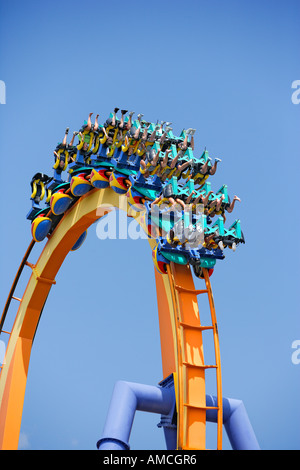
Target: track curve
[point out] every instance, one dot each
(178, 318)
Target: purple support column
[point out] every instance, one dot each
(129, 397)
(236, 421)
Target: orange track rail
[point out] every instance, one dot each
(179, 322)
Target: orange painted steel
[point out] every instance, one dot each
(14, 372)
(217, 358)
(179, 323)
(15, 282)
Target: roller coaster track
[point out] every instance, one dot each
(179, 324)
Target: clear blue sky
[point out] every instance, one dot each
(222, 67)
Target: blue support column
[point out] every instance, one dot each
(236, 422)
(129, 397)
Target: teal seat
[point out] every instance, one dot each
(235, 230)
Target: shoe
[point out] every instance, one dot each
(218, 160)
(124, 111)
(116, 110)
(221, 245)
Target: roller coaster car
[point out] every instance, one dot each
(40, 228)
(99, 134)
(100, 177)
(218, 236)
(38, 187)
(137, 198)
(119, 181)
(122, 161)
(60, 202)
(198, 270)
(79, 184)
(80, 241)
(139, 181)
(186, 190)
(82, 158)
(39, 192)
(151, 230)
(182, 254)
(86, 140)
(221, 192)
(157, 222)
(196, 167)
(160, 262)
(183, 236)
(130, 141)
(170, 189)
(184, 232)
(233, 236)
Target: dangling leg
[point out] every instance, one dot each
(162, 138)
(136, 133)
(184, 165)
(114, 118)
(163, 164)
(175, 160)
(213, 204)
(64, 142)
(73, 137)
(89, 123)
(145, 134)
(219, 202)
(204, 168)
(231, 207)
(123, 112)
(142, 146)
(129, 123)
(213, 169)
(198, 199)
(183, 145)
(96, 125)
(155, 159)
(162, 125)
(189, 198)
(152, 136)
(143, 164)
(206, 198)
(192, 142)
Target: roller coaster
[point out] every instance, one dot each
(143, 167)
